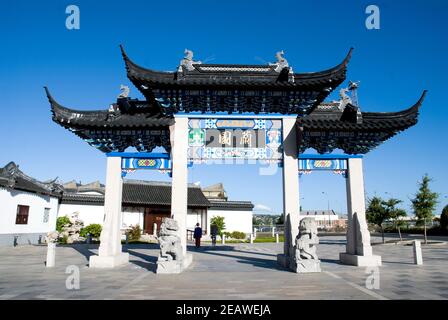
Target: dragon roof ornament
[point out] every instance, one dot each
(187, 62)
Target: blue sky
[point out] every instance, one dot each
(84, 69)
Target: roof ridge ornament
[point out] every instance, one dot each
(187, 62)
(345, 98)
(281, 62)
(124, 92)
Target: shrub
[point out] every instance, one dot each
(134, 233)
(61, 222)
(227, 234)
(94, 230)
(238, 235)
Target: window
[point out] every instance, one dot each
(22, 214)
(46, 215)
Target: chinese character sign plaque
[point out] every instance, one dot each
(244, 139)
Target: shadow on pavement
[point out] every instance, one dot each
(149, 261)
(256, 262)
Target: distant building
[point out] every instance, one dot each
(28, 207)
(326, 219)
(145, 203)
(237, 214)
(215, 192)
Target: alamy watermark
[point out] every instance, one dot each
(73, 280)
(373, 278)
(73, 20)
(373, 18)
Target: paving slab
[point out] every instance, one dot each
(232, 271)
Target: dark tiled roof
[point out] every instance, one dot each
(160, 194)
(11, 177)
(328, 128)
(141, 117)
(231, 205)
(235, 74)
(142, 193)
(236, 88)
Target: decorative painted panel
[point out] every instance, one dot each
(243, 139)
(338, 166)
(129, 165)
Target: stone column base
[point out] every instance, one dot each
(360, 261)
(173, 266)
(109, 261)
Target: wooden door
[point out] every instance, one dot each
(153, 216)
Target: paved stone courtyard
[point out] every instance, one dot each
(234, 271)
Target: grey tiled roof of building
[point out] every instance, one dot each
(11, 177)
(231, 205)
(140, 192)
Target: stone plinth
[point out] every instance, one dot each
(308, 266)
(174, 266)
(360, 261)
(109, 261)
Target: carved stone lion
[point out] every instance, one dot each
(305, 249)
(169, 240)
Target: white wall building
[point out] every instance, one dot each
(145, 203)
(237, 214)
(28, 208)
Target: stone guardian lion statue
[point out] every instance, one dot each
(169, 240)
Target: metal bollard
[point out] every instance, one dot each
(417, 248)
(276, 238)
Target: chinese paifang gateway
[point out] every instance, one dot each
(234, 89)
(288, 107)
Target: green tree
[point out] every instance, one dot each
(255, 221)
(393, 213)
(376, 213)
(444, 219)
(280, 219)
(424, 203)
(218, 221)
(61, 222)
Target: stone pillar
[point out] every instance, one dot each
(51, 254)
(358, 249)
(204, 221)
(110, 254)
(290, 190)
(417, 250)
(179, 181)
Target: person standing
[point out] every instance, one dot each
(197, 235)
(213, 233)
